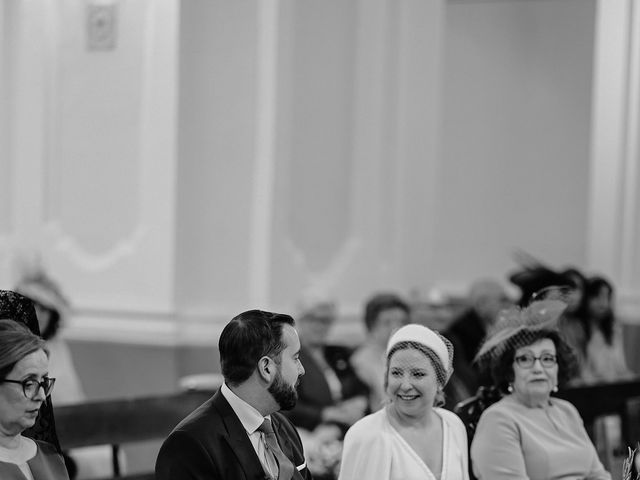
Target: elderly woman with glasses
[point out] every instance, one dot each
(24, 386)
(529, 434)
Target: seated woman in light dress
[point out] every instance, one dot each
(410, 438)
(530, 434)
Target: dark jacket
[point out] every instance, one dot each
(212, 444)
(46, 465)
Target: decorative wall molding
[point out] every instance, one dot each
(614, 202)
(264, 172)
(68, 246)
(191, 330)
(230, 240)
(132, 263)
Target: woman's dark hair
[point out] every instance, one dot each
(604, 324)
(16, 342)
(379, 303)
(246, 339)
(501, 366)
(577, 281)
(53, 324)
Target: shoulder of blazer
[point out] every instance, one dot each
(215, 406)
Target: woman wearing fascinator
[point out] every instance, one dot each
(410, 438)
(529, 434)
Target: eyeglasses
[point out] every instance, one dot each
(31, 387)
(527, 360)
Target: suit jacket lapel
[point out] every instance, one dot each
(288, 448)
(238, 438)
(11, 471)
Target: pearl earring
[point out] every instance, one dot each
(555, 388)
(510, 388)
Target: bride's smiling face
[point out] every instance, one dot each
(412, 385)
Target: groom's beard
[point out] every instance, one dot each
(285, 395)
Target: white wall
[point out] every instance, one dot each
(516, 134)
(216, 153)
(93, 155)
(227, 154)
(300, 150)
(5, 182)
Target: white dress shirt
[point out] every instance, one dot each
(251, 419)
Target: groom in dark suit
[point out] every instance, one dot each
(238, 433)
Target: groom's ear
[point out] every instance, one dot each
(266, 369)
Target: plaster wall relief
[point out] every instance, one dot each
(630, 250)
(348, 164)
(93, 149)
(178, 161)
(614, 200)
(225, 157)
(313, 230)
(5, 164)
(110, 168)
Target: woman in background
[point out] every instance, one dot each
(529, 434)
(52, 309)
(605, 360)
(24, 386)
(573, 323)
(384, 313)
(411, 438)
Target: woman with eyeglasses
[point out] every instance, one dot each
(24, 386)
(529, 434)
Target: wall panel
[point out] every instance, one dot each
(225, 155)
(109, 173)
(219, 88)
(352, 145)
(516, 135)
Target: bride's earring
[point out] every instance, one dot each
(510, 388)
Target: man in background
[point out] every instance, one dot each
(330, 396)
(487, 297)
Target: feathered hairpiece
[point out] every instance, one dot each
(518, 326)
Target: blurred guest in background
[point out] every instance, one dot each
(576, 298)
(52, 309)
(605, 359)
(24, 386)
(487, 297)
(330, 395)
(573, 322)
(437, 312)
(384, 313)
(411, 438)
(528, 433)
(433, 310)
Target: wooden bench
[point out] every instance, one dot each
(124, 421)
(600, 399)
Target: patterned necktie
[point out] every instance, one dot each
(285, 467)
